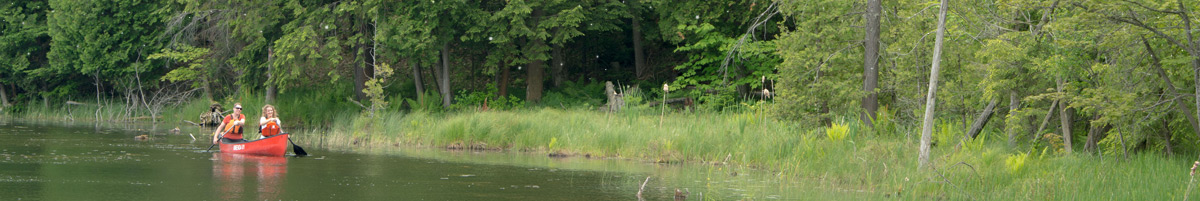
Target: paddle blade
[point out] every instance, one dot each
(299, 151)
(296, 148)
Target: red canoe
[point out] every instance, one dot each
(270, 146)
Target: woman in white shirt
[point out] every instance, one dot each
(269, 124)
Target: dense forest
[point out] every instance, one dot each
(1110, 75)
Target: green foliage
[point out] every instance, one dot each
(1016, 162)
(472, 100)
(949, 133)
(24, 40)
(817, 75)
(190, 57)
(708, 68)
(576, 95)
(837, 132)
(975, 144)
(102, 40)
(374, 87)
(429, 102)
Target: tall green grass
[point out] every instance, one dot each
(865, 160)
(879, 160)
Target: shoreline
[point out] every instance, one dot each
(875, 161)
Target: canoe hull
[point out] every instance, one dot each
(271, 146)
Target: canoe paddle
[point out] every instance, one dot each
(230, 128)
(296, 148)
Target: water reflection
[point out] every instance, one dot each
(79, 161)
(231, 171)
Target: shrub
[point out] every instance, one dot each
(474, 99)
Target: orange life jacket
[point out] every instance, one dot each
(270, 129)
(233, 132)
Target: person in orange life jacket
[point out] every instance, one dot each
(269, 124)
(233, 123)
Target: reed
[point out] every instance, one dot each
(863, 160)
(880, 161)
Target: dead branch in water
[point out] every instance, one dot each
(639, 193)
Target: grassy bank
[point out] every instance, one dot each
(846, 157)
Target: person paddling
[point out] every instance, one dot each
(231, 126)
(268, 123)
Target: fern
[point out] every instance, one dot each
(1016, 162)
(837, 132)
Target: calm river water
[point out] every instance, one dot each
(76, 161)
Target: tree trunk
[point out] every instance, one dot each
(1013, 105)
(1166, 134)
(1182, 108)
(533, 80)
(445, 76)
(931, 97)
(4, 97)
(417, 83)
(1045, 121)
(639, 56)
(982, 119)
(615, 101)
(1065, 118)
(870, 103)
(535, 75)
(556, 65)
(1194, 49)
(434, 75)
(1095, 133)
(360, 77)
(270, 77)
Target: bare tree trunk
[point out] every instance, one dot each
(1182, 108)
(1166, 134)
(270, 77)
(1190, 45)
(416, 73)
(556, 65)
(1065, 118)
(435, 75)
(870, 103)
(1193, 48)
(1013, 105)
(615, 101)
(360, 77)
(445, 76)
(982, 120)
(535, 74)
(639, 56)
(4, 97)
(1095, 133)
(533, 81)
(1045, 120)
(931, 97)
